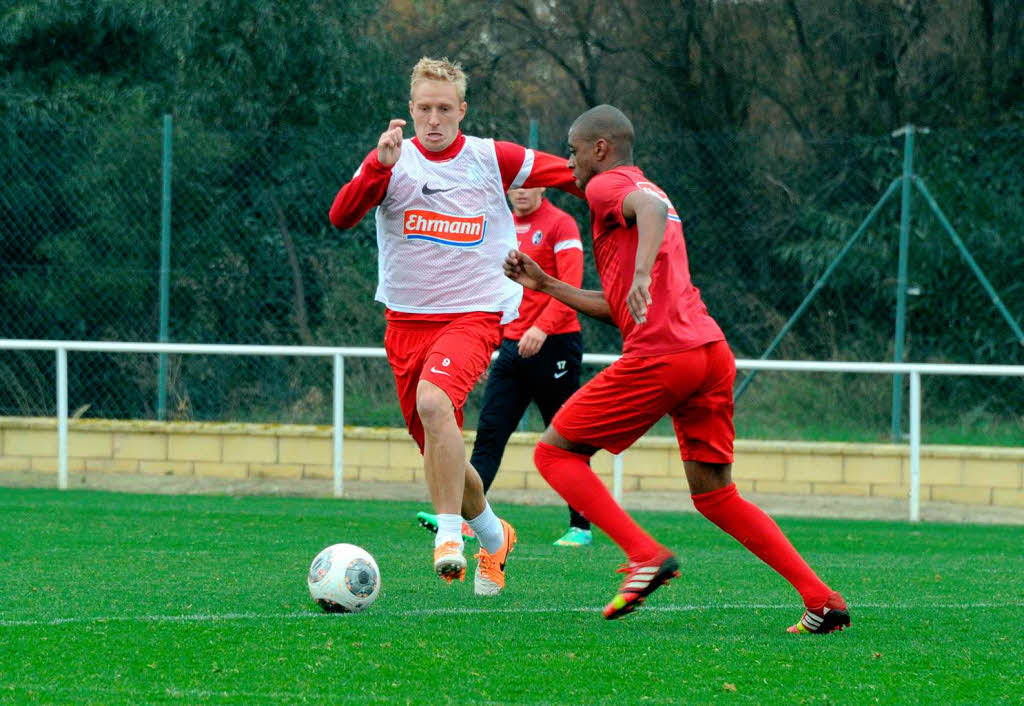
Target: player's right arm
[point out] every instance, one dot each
(649, 213)
(369, 186)
(522, 269)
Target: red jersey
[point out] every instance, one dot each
(550, 236)
(677, 319)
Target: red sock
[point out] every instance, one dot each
(570, 475)
(756, 531)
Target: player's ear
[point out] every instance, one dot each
(410, 107)
(601, 149)
(462, 110)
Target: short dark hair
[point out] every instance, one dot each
(608, 122)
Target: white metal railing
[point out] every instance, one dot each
(913, 370)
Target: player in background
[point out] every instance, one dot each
(541, 352)
(675, 361)
(443, 228)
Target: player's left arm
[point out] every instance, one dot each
(523, 168)
(650, 215)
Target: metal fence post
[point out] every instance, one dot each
(62, 418)
(915, 446)
(617, 477)
(165, 270)
(339, 424)
(901, 278)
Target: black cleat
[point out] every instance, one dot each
(831, 617)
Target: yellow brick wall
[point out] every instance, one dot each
(960, 474)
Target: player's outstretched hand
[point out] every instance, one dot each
(639, 297)
(520, 268)
(389, 146)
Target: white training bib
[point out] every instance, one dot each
(443, 231)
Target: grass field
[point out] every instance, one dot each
(108, 599)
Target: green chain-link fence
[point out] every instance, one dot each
(253, 259)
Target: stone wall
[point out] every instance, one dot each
(961, 474)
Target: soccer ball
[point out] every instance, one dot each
(344, 578)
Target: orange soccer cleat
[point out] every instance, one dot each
(449, 562)
(489, 578)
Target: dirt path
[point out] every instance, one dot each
(778, 505)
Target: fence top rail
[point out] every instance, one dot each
(807, 366)
(192, 348)
(822, 366)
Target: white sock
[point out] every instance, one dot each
(488, 529)
(449, 529)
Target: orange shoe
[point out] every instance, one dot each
(489, 578)
(449, 562)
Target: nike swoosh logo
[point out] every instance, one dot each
(439, 372)
(558, 375)
(427, 191)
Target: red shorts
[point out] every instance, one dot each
(450, 354)
(625, 399)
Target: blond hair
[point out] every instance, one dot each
(427, 69)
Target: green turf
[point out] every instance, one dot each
(109, 599)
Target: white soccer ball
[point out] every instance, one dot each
(344, 578)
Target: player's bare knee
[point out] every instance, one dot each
(434, 408)
(551, 437)
(706, 477)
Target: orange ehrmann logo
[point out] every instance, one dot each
(460, 231)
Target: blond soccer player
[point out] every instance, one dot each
(443, 229)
